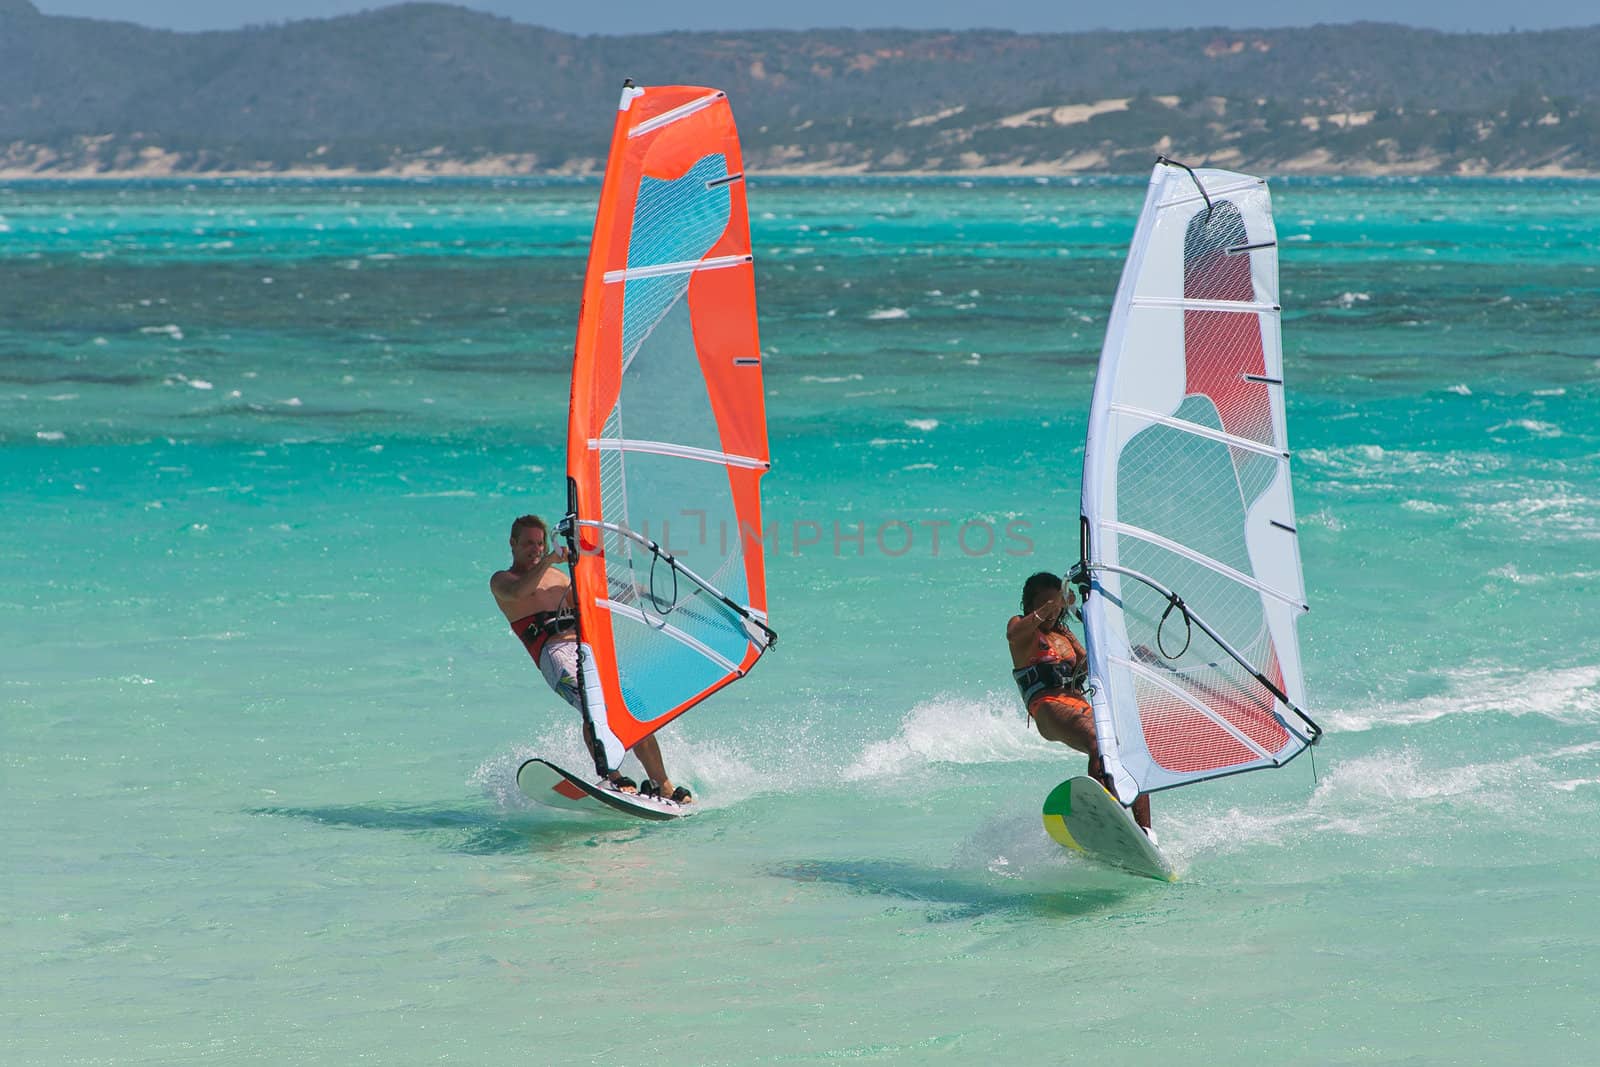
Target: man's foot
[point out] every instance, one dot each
(1151, 834)
(622, 784)
(666, 791)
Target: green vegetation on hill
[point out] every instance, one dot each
(431, 86)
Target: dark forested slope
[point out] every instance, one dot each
(436, 86)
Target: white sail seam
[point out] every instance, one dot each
(1245, 306)
(657, 270)
(1201, 431)
(667, 448)
(679, 112)
(662, 626)
(1202, 559)
(1155, 678)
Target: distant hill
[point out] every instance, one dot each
(436, 88)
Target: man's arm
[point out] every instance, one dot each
(507, 586)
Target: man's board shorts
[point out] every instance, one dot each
(557, 658)
(558, 662)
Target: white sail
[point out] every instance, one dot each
(1190, 548)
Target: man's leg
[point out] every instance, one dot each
(649, 753)
(559, 665)
(615, 777)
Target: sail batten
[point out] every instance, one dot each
(1206, 431)
(667, 448)
(1194, 660)
(667, 437)
(657, 270)
(1241, 306)
(682, 111)
(1230, 573)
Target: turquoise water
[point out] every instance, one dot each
(259, 448)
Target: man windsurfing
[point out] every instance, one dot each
(535, 596)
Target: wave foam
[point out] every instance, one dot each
(953, 730)
(1371, 796)
(1380, 796)
(1544, 510)
(715, 770)
(1375, 461)
(1568, 695)
(1533, 426)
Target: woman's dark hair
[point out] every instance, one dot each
(1036, 586)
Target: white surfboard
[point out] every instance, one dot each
(545, 783)
(1081, 815)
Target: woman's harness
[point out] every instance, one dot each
(1041, 677)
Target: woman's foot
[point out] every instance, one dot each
(1097, 771)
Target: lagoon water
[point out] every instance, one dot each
(260, 444)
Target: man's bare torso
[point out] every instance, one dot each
(550, 595)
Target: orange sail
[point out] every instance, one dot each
(667, 437)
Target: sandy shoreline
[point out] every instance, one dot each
(94, 159)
